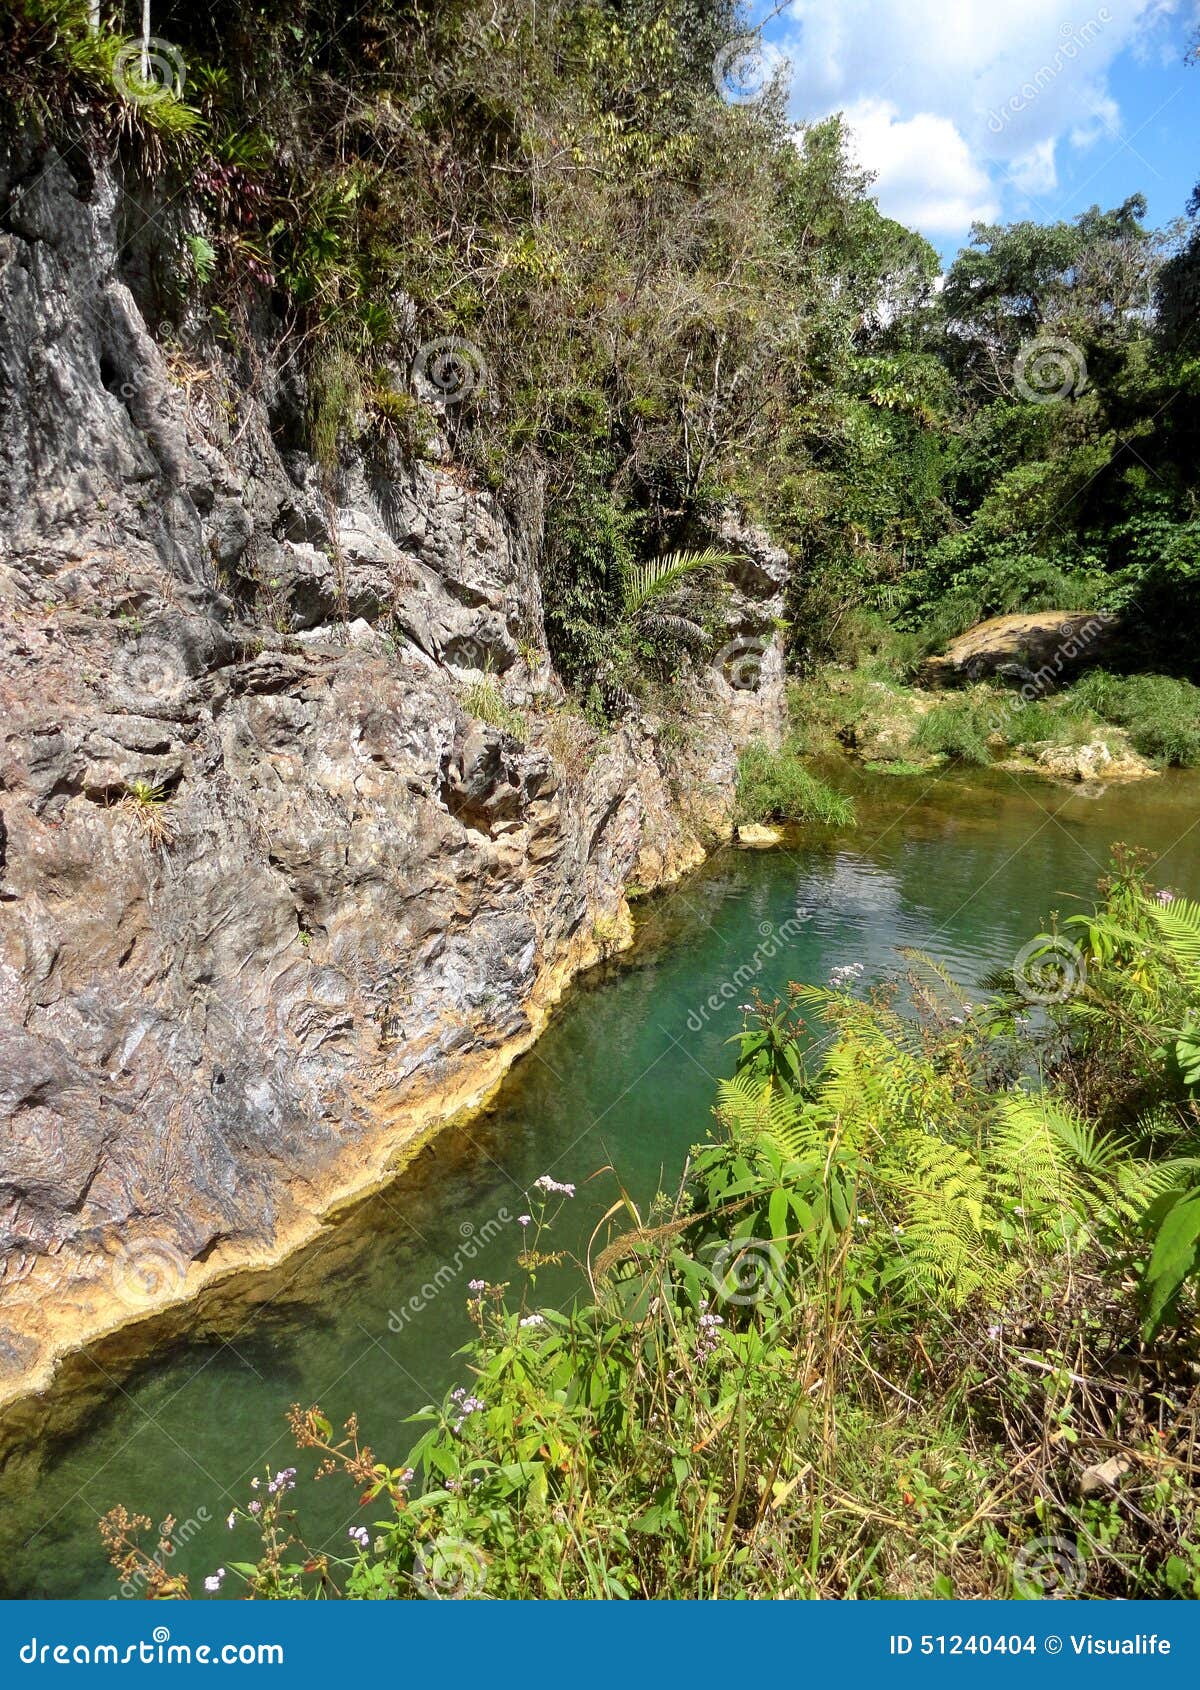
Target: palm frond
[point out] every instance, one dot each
(645, 582)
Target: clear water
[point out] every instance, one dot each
(622, 1080)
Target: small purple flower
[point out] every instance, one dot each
(360, 1535)
(546, 1184)
(284, 1480)
(1164, 895)
(524, 1220)
(256, 1507)
(477, 1285)
(466, 1404)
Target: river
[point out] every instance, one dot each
(370, 1317)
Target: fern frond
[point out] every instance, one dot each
(752, 1107)
(1180, 925)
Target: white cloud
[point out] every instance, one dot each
(924, 172)
(953, 102)
(1035, 172)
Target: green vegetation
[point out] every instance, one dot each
(884, 1342)
(775, 786)
(145, 804)
(1160, 715)
(892, 725)
(956, 729)
(484, 700)
(627, 305)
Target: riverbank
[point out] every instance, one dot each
(961, 865)
(1102, 730)
(887, 1340)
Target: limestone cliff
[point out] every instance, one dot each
(272, 898)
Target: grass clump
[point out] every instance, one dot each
(145, 804)
(957, 730)
(484, 700)
(775, 786)
(1160, 715)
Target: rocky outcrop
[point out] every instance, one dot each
(299, 841)
(1038, 648)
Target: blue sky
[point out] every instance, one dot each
(1001, 109)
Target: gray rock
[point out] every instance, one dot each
(343, 899)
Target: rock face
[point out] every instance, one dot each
(1040, 648)
(298, 839)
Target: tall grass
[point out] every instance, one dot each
(775, 786)
(1160, 715)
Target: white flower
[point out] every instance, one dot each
(232, 1520)
(214, 1580)
(532, 1320)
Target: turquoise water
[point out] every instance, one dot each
(620, 1086)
